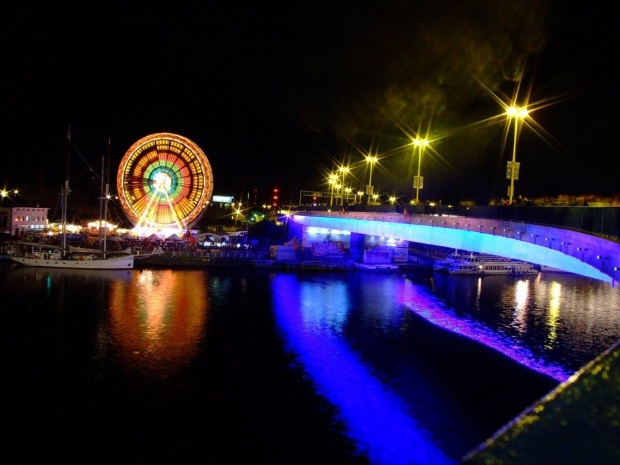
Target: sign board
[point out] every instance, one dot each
(222, 199)
(509, 170)
(418, 182)
(326, 248)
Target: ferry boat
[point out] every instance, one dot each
(491, 265)
(442, 265)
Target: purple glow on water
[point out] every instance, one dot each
(375, 417)
(419, 301)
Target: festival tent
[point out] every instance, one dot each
(173, 237)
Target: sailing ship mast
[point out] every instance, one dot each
(65, 195)
(105, 205)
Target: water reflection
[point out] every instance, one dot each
(311, 315)
(423, 303)
(157, 322)
(554, 313)
(520, 312)
(553, 323)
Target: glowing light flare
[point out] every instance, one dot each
(162, 181)
(515, 112)
(521, 114)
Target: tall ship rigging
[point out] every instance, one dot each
(65, 256)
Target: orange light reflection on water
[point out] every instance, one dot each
(159, 319)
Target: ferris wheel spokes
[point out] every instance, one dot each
(142, 219)
(174, 214)
(160, 170)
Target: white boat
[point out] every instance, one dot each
(51, 256)
(491, 265)
(442, 265)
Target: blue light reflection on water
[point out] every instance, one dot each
(377, 419)
(429, 307)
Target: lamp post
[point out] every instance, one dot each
(360, 193)
(372, 160)
(417, 180)
(348, 190)
(344, 170)
(518, 114)
(332, 180)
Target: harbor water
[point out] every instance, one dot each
(246, 366)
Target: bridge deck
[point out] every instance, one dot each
(566, 249)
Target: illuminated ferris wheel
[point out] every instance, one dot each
(164, 180)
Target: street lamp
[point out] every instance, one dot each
(513, 168)
(344, 170)
(348, 190)
(332, 180)
(360, 193)
(372, 160)
(418, 182)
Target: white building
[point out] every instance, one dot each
(21, 221)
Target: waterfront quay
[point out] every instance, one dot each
(258, 260)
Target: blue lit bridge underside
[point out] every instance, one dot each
(568, 250)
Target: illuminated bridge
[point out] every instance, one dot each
(587, 253)
(578, 421)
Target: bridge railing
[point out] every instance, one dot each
(601, 221)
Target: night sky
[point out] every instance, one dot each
(277, 94)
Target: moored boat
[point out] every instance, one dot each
(491, 265)
(52, 256)
(443, 264)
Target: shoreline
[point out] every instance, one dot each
(179, 262)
